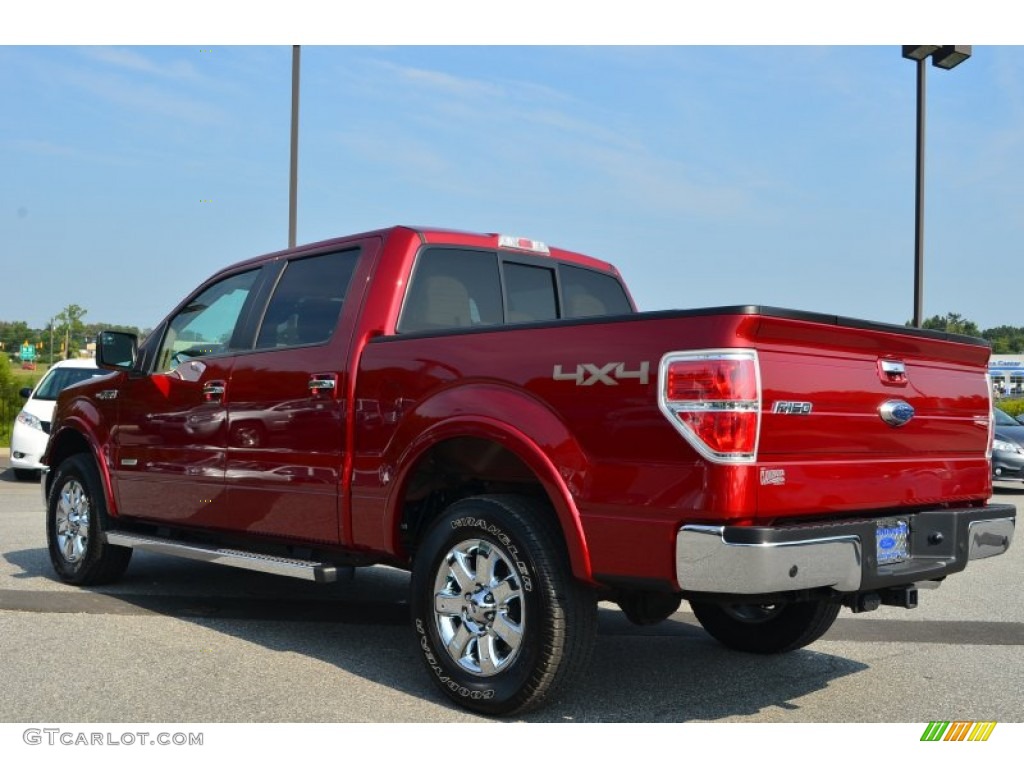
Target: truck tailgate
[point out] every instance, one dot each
(855, 417)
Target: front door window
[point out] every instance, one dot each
(207, 324)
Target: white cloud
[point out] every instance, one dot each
(143, 97)
(134, 61)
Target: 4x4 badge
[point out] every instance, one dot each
(588, 374)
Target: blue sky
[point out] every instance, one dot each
(710, 175)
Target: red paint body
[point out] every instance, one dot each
(273, 458)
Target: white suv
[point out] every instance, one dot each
(32, 425)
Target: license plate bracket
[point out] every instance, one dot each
(892, 541)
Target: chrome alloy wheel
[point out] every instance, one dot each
(72, 521)
(479, 609)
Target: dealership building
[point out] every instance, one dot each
(1007, 372)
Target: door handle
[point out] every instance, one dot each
(213, 391)
(322, 383)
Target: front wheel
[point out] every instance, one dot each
(500, 620)
(769, 628)
(75, 519)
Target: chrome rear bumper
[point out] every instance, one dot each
(761, 560)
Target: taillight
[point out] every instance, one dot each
(713, 397)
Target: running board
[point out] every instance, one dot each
(252, 561)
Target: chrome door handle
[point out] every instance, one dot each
(322, 382)
(213, 391)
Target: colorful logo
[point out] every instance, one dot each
(958, 731)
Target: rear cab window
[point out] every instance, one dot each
(590, 294)
(461, 288)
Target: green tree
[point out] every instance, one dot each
(71, 329)
(1005, 339)
(952, 322)
(14, 334)
(92, 330)
(10, 400)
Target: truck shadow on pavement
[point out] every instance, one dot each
(7, 476)
(671, 672)
(1010, 489)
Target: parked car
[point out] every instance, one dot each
(32, 424)
(1007, 448)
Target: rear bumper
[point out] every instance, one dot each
(840, 555)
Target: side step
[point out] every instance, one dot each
(252, 561)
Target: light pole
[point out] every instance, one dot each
(943, 57)
(293, 175)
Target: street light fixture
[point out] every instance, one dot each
(943, 57)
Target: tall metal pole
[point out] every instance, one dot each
(943, 57)
(919, 203)
(293, 182)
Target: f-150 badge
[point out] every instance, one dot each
(588, 374)
(792, 408)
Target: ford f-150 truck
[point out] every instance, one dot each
(496, 417)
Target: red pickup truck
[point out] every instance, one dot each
(495, 416)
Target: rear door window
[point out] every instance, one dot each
(307, 301)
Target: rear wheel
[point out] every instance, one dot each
(76, 517)
(500, 620)
(768, 628)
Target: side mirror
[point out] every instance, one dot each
(25, 392)
(117, 351)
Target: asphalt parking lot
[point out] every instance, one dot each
(178, 641)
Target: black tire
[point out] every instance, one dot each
(76, 516)
(766, 628)
(27, 475)
(500, 621)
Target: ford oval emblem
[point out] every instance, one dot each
(896, 413)
(886, 543)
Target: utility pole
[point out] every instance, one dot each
(943, 57)
(293, 184)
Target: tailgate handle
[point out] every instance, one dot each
(893, 372)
